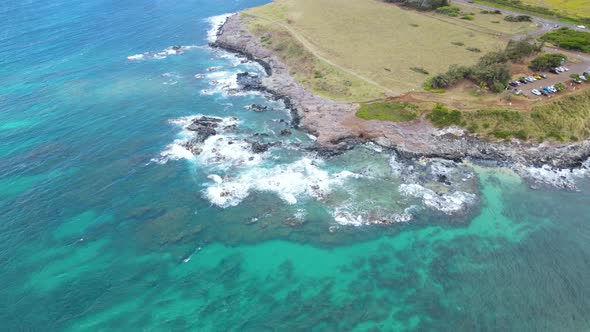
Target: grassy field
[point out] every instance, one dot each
(528, 8)
(566, 119)
(373, 40)
(316, 75)
(488, 23)
(389, 111)
(580, 8)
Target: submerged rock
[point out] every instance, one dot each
(258, 147)
(258, 108)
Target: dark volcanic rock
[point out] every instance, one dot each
(193, 146)
(205, 127)
(285, 132)
(258, 108)
(248, 81)
(258, 147)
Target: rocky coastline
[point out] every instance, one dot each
(337, 128)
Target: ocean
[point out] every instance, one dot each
(108, 222)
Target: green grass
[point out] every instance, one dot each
(389, 111)
(533, 10)
(575, 8)
(563, 120)
(443, 117)
(569, 39)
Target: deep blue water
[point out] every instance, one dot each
(107, 223)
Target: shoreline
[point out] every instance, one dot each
(336, 126)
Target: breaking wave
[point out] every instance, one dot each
(554, 177)
(158, 55)
(291, 182)
(216, 22)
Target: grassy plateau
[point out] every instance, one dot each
(371, 41)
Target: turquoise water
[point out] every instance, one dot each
(107, 223)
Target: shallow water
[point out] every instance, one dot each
(109, 223)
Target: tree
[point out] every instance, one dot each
(547, 61)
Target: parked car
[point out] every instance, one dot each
(514, 84)
(565, 68)
(583, 78)
(538, 77)
(546, 90)
(536, 92)
(523, 81)
(518, 93)
(554, 71)
(581, 27)
(560, 69)
(543, 75)
(586, 73)
(552, 89)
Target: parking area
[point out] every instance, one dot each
(579, 65)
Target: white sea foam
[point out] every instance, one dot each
(303, 178)
(349, 214)
(397, 167)
(448, 203)
(177, 150)
(136, 57)
(555, 177)
(223, 152)
(216, 23)
(174, 151)
(172, 50)
(224, 83)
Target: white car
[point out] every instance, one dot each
(536, 92)
(581, 27)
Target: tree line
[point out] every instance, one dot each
(491, 71)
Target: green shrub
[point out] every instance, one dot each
(569, 39)
(421, 5)
(492, 70)
(518, 18)
(458, 43)
(419, 70)
(389, 111)
(493, 12)
(452, 11)
(547, 61)
(442, 117)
